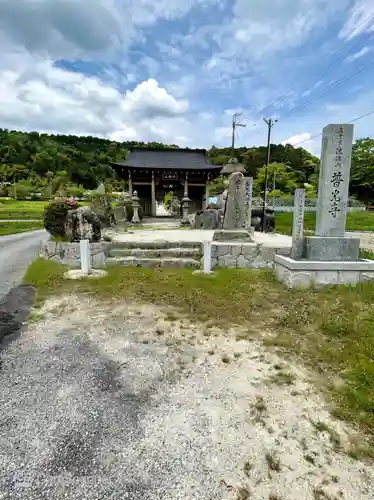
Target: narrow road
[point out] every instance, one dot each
(17, 251)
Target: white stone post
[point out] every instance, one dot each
(207, 267)
(297, 250)
(85, 256)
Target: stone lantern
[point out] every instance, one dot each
(185, 205)
(135, 205)
(231, 167)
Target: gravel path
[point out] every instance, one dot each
(122, 402)
(17, 251)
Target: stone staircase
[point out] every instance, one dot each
(155, 254)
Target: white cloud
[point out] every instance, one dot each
(82, 28)
(360, 20)
(359, 54)
(61, 28)
(45, 98)
(296, 139)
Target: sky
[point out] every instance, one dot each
(175, 71)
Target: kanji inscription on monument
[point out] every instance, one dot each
(333, 188)
(298, 224)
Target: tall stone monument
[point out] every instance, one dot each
(330, 242)
(329, 257)
(235, 225)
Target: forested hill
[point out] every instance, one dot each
(85, 161)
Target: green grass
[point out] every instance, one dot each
(13, 227)
(356, 221)
(11, 209)
(331, 329)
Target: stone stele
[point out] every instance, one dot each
(236, 212)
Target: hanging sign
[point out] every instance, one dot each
(169, 176)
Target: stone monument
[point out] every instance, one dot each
(235, 223)
(329, 257)
(297, 250)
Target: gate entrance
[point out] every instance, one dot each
(155, 172)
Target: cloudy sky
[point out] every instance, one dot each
(174, 71)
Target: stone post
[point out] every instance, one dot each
(185, 205)
(85, 256)
(135, 205)
(297, 251)
(153, 195)
(330, 242)
(130, 183)
(248, 201)
(186, 185)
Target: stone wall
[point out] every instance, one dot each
(69, 253)
(245, 255)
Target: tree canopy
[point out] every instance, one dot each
(56, 161)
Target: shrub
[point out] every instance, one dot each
(55, 216)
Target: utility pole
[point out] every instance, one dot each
(235, 124)
(270, 123)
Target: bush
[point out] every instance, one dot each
(55, 216)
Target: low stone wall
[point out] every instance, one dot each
(245, 255)
(69, 253)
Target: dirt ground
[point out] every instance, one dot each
(120, 401)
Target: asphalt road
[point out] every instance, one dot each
(17, 251)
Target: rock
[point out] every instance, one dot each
(102, 207)
(82, 223)
(207, 219)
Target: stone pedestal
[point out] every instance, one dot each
(233, 235)
(307, 273)
(331, 248)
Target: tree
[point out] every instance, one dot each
(362, 170)
(285, 178)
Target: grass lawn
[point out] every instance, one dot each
(356, 221)
(11, 209)
(332, 330)
(13, 227)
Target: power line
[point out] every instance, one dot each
(322, 57)
(338, 84)
(318, 135)
(235, 125)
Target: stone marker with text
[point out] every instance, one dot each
(330, 242)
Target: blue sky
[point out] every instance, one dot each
(175, 70)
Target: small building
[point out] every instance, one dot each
(154, 172)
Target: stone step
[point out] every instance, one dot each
(156, 252)
(160, 244)
(132, 261)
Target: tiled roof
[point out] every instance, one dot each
(168, 159)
